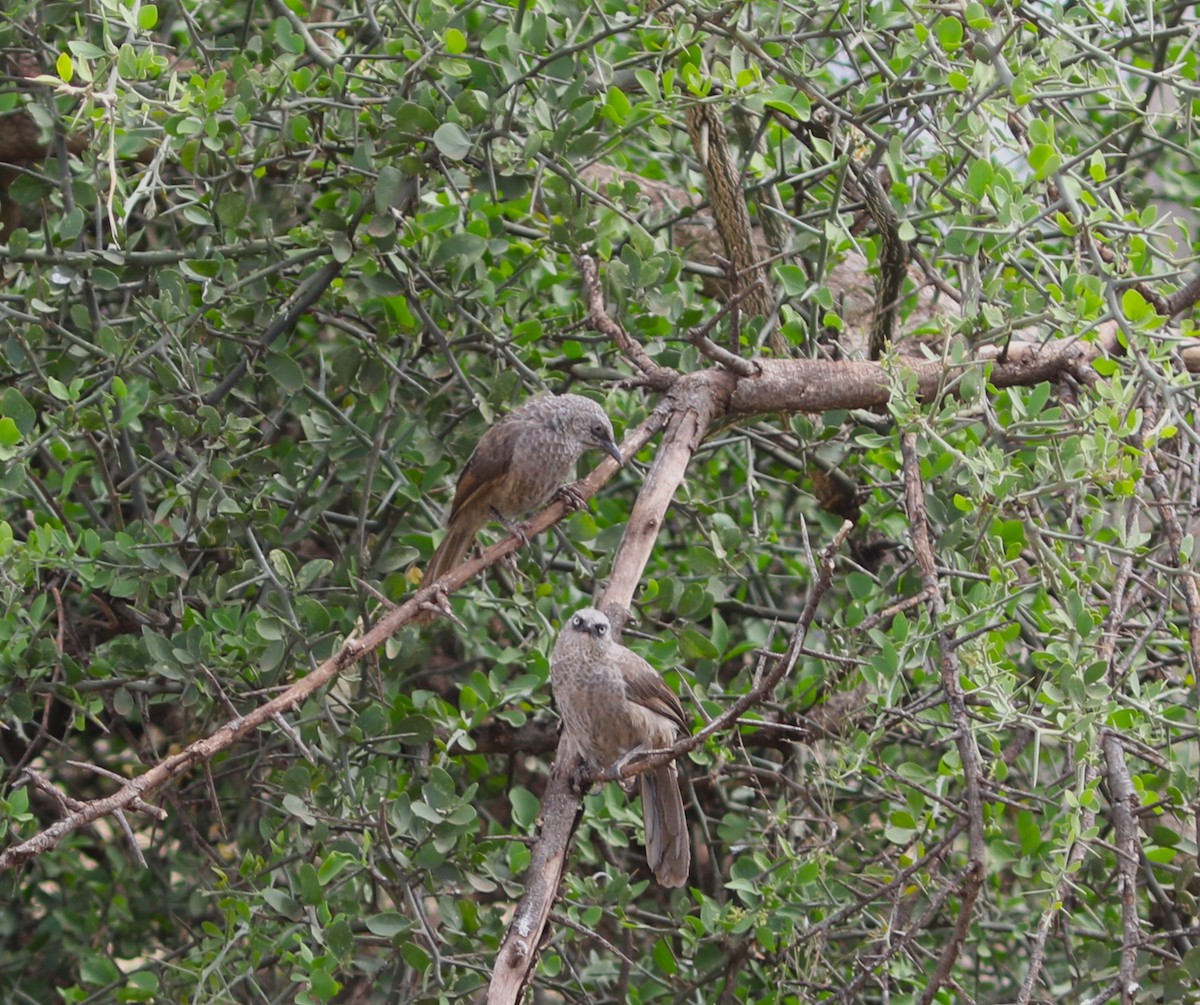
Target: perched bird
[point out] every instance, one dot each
(614, 704)
(518, 465)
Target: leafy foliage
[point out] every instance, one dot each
(253, 322)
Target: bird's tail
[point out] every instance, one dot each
(450, 552)
(668, 850)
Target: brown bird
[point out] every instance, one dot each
(614, 704)
(518, 465)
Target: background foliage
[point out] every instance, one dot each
(274, 270)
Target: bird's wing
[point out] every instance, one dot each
(644, 686)
(491, 460)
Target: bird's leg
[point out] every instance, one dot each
(571, 498)
(519, 527)
(613, 773)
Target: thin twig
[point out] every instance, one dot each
(968, 753)
(1123, 799)
(659, 378)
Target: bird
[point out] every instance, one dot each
(517, 465)
(613, 705)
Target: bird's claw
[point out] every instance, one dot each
(520, 528)
(571, 498)
(581, 780)
(613, 773)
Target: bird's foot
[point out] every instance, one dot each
(520, 528)
(581, 779)
(571, 498)
(613, 773)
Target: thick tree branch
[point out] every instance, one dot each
(811, 385)
(561, 810)
(706, 128)
(690, 407)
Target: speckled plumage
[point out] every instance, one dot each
(518, 465)
(612, 702)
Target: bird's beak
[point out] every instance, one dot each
(612, 450)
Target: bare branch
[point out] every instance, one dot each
(660, 378)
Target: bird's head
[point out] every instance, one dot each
(590, 624)
(591, 424)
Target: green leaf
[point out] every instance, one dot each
(282, 903)
(334, 864)
(792, 278)
(284, 371)
(99, 970)
(388, 924)
(695, 646)
(322, 984)
(791, 101)
(1135, 307)
(1044, 160)
(979, 179)
(415, 957)
(310, 886)
(298, 808)
(468, 248)
(525, 806)
(455, 41)
(618, 105)
(10, 435)
(452, 141)
(949, 31)
(664, 958)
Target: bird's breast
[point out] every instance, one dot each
(598, 716)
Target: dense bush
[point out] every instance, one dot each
(270, 271)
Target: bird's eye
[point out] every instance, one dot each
(601, 629)
(577, 622)
(598, 431)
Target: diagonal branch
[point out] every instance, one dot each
(659, 377)
(134, 791)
